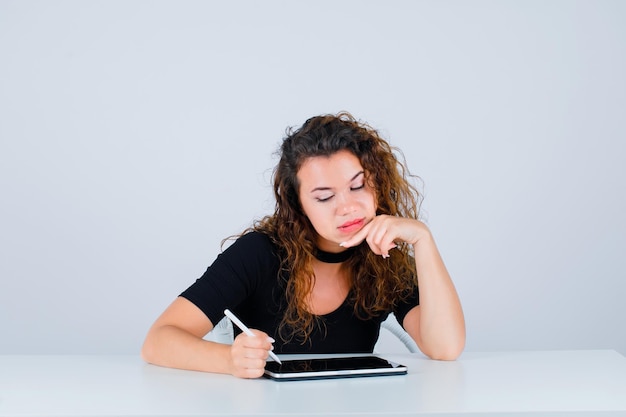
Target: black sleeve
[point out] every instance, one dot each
(403, 308)
(234, 275)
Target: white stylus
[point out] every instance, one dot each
(247, 331)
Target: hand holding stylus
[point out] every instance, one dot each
(247, 331)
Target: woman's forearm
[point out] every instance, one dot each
(441, 319)
(173, 347)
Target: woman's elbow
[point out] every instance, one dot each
(148, 350)
(447, 352)
(448, 355)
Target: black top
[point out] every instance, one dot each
(244, 278)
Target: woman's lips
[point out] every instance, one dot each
(352, 225)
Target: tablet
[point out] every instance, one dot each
(344, 367)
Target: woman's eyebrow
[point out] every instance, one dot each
(357, 175)
(329, 188)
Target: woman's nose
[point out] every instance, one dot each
(346, 204)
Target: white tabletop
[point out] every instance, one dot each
(505, 383)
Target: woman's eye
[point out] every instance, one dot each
(322, 199)
(358, 187)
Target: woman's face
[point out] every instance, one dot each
(335, 197)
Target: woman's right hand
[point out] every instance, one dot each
(248, 354)
(176, 340)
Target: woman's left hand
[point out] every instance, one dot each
(382, 233)
(437, 325)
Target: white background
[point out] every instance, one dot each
(136, 135)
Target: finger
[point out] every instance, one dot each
(250, 373)
(381, 247)
(260, 340)
(385, 243)
(253, 358)
(251, 351)
(358, 237)
(381, 239)
(247, 362)
(253, 373)
(375, 238)
(248, 368)
(262, 336)
(392, 245)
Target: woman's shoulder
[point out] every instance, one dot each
(251, 243)
(254, 238)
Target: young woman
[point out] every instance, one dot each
(343, 249)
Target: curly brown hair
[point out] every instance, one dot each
(377, 284)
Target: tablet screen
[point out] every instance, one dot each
(333, 368)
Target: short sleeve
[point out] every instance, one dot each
(403, 308)
(234, 276)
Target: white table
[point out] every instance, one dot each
(550, 383)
